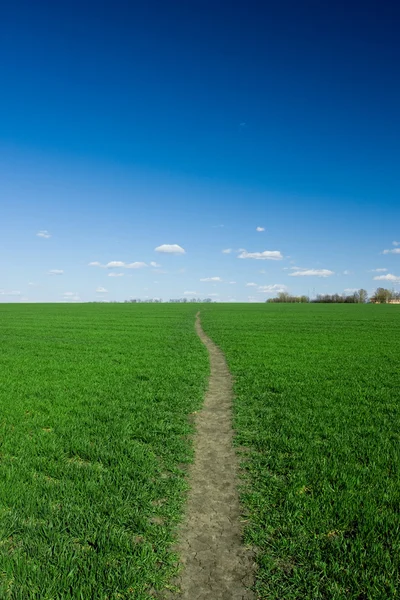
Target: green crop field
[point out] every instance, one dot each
(317, 408)
(94, 439)
(95, 436)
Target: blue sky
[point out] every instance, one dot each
(127, 129)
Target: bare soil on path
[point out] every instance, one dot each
(215, 563)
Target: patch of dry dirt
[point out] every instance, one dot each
(215, 563)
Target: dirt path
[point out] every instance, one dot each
(216, 565)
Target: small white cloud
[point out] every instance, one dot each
(378, 270)
(227, 251)
(101, 290)
(211, 279)
(312, 273)
(392, 251)
(154, 264)
(266, 255)
(251, 284)
(170, 249)
(118, 264)
(350, 290)
(396, 243)
(232, 282)
(276, 288)
(346, 272)
(190, 293)
(71, 297)
(388, 277)
(32, 284)
(135, 265)
(214, 295)
(56, 272)
(12, 293)
(115, 274)
(115, 264)
(260, 228)
(43, 234)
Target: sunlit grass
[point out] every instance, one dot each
(94, 437)
(317, 406)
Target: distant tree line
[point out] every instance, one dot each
(381, 295)
(285, 297)
(357, 297)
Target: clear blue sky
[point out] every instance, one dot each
(131, 126)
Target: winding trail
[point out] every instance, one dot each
(216, 565)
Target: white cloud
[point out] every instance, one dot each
(211, 279)
(32, 284)
(350, 290)
(388, 277)
(266, 255)
(71, 297)
(115, 264)
(135, 265)
(232, 282)
(190, 293)
(43, 234)
(276, 288)
(396, 243)
(312, 273)
(170, 249)
(56, 272)
(115, 274)
(260, 228)
(378, 270)
(118, 264)
(12, 293)
(346, 272)
(251, 284)
(392, 251)
(101, 290)
(154, 264)
(227, 251)
(214, 295)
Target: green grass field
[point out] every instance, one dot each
(94, 439)
(95, 436)
(317, 406)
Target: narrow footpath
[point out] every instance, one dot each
(216, 565)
